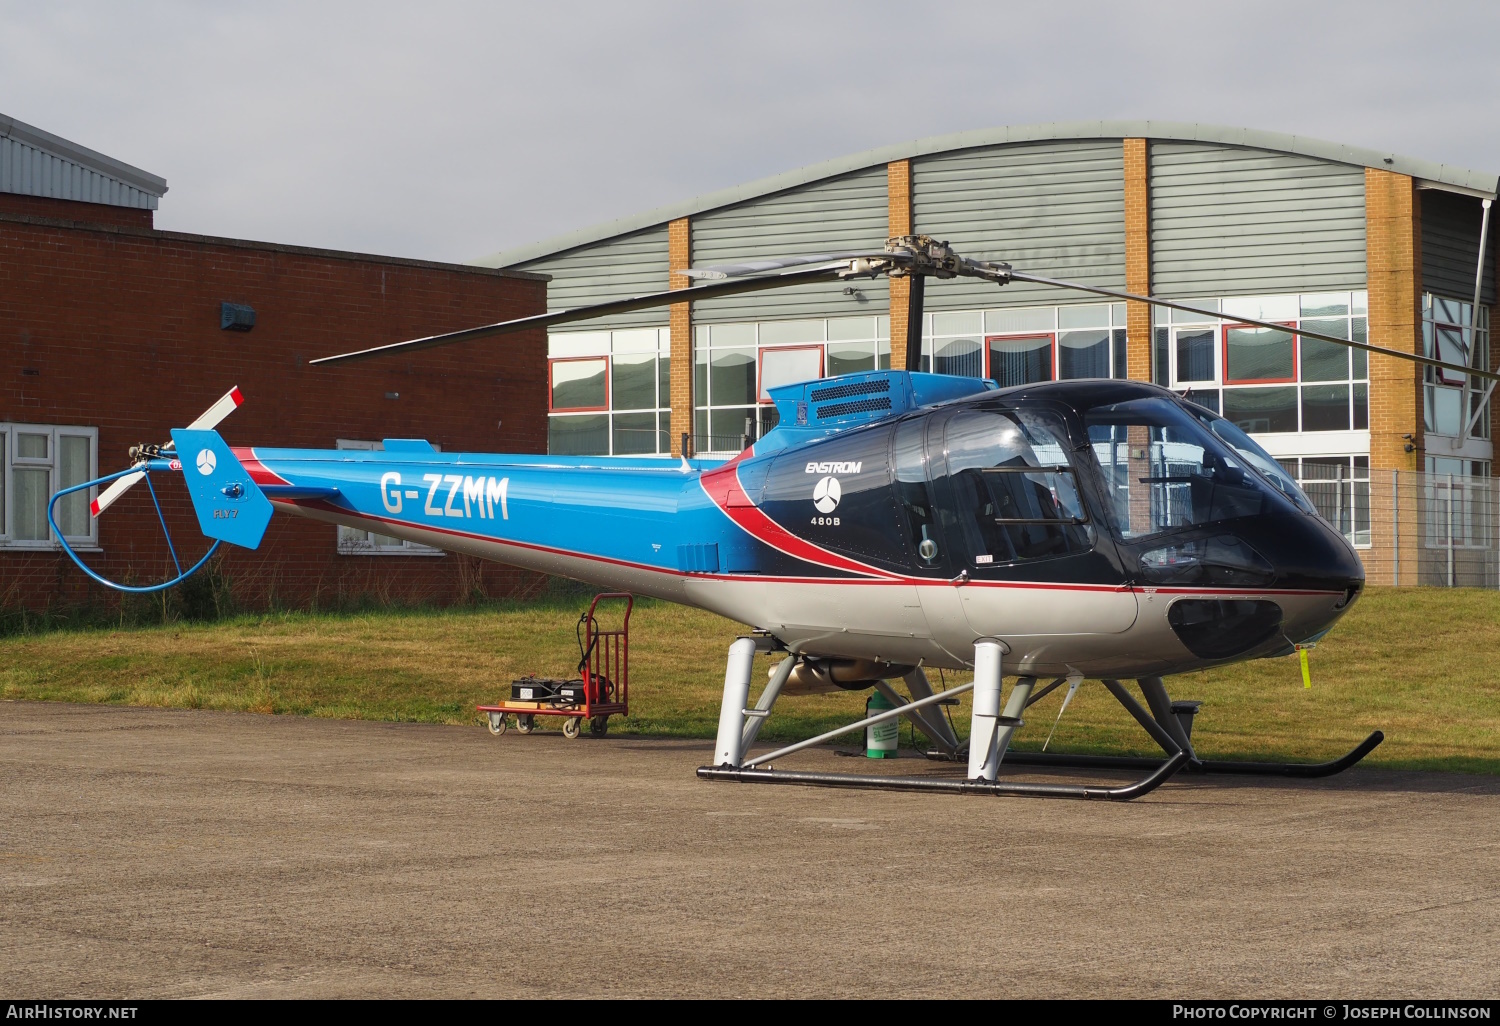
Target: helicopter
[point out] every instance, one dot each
(892, 523)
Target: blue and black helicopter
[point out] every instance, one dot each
(893, 522)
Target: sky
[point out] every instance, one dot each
(448, 131)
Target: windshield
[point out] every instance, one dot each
(1165, 469)
(1256, 457)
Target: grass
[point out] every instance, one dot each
(1413, 662)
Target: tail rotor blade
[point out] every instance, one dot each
(210, 417)
(107, 497)
(206, 421)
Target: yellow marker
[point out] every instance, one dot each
(1306, 673)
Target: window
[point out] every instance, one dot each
(1457, 500)
(787, 365)
(1254, 355)
(1018, 359)
(1450, 333)
(610, 393)
(37, 460)
(1013, 488)
(355, 542)
(1339, 486)
(736, 365)
(1280, 382)
(1025, 345)
(580, 384)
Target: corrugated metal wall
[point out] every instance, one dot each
(832, 216)
(618, 268)
(1450, 245)
(1053, 208)
(1232, 221)
(29, 171)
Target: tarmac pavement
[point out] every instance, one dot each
(154, 853)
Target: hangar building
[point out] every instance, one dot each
(1366, 244)
(112, 332)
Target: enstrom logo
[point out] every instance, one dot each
(206, 462)
(827, 494)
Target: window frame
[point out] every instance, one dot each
(821, 348)
(552, 386)
(1050, 336)
(12, 462)
(1228, 382)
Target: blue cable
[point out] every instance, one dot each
(165, 533)
(52, 506)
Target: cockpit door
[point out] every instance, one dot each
(1021, 541)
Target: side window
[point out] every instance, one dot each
(1014, 490)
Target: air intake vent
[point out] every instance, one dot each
(858, 406)
(856, 388)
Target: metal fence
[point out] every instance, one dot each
(1440, 530)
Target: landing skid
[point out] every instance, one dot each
(1163, 771)
(1302, 770)
(990, 732)
(1168, 723)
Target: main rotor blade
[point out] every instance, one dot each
(585, 313)
(761, 266)
(1426, 361)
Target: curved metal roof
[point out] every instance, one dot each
(1482, 183)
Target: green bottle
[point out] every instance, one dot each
(881, 738)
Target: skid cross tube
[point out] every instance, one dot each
(880, 717)
(1129, 792)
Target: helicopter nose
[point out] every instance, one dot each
(1294, 576)
(1319, 575)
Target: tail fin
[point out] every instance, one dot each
(230, 506)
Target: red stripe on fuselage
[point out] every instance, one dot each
(257, 470)
(722, 486)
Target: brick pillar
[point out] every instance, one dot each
(1393, 253)
(1137, 258)
(679, 256)
(899, 222)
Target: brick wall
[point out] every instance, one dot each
(72, 210)
(1393, 257)
(118, 328)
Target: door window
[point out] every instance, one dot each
(1014, 493)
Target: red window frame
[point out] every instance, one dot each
(578, 409)
(760, 362)
(1224, 355)
(1050, 336)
